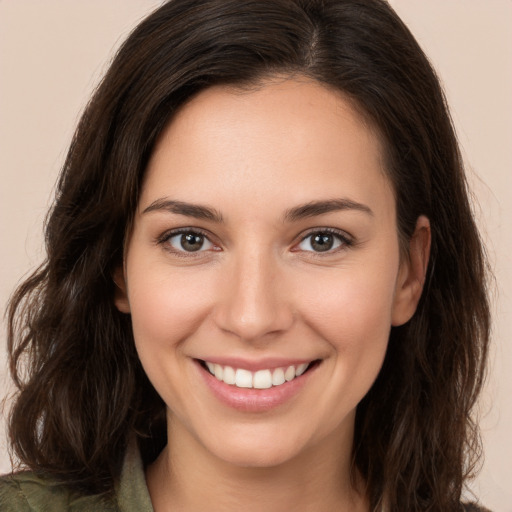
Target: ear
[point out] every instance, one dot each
(121, 291)
(411, 276)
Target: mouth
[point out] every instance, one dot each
(267, 386)
(260, 379)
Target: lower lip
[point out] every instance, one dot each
(254, 400)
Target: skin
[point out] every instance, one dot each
(258, 289)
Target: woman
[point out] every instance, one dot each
(264, 286)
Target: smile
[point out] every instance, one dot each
(261, 379)
(267, 385)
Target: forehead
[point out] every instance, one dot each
(291, 138)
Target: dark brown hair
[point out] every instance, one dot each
(82, 391)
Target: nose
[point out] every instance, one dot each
(254, 304)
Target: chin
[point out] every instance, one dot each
(258, 456)
(252, 446)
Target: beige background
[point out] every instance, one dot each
(52, 53)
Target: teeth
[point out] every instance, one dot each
(278, 377)
(262, 379)
(301, 369)
(289, 374)
(243, 379)
(229, 376)
(218, 371)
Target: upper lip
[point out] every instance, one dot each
(254, 365)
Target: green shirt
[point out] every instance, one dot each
(26, 492)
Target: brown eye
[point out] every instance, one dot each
(189, 242)
(323, 241)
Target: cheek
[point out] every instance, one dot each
(351, 308)
(166, 307)
(353, 315)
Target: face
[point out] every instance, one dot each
(263, 272)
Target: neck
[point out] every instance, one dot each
(187, 477)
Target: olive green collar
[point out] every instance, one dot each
(132, 492)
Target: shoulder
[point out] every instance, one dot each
(27, 492)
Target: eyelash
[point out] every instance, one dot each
(345, 241)
(165, 238)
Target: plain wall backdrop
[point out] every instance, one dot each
(52, 54)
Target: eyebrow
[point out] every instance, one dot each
(315, 208)
(310, 209)
(188, 209)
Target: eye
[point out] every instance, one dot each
(323, 241)
(189, 241)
